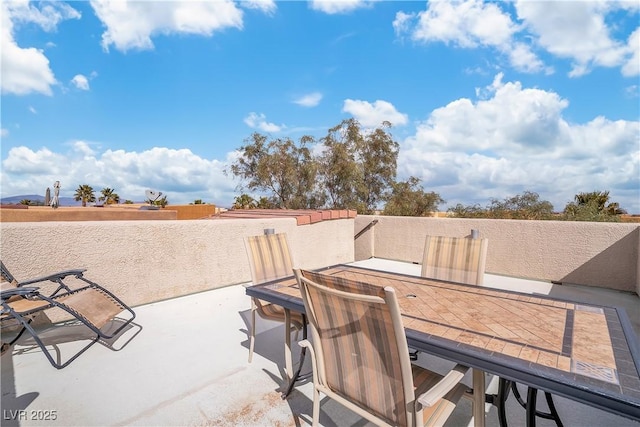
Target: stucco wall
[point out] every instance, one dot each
(586, 253)
(146, 261)
(89, 213)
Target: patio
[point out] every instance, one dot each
(185, 363)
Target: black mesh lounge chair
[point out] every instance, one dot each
(86, 302)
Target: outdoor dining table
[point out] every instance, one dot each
(585, 352)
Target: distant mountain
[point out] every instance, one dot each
(64, 201)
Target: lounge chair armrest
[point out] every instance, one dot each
(8, 293)
(54, 277)
(444, 386)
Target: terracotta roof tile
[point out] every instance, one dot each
(302, 216)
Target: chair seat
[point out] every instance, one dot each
(25, 306)
(93, 305)
(276, 312)
(423, 380)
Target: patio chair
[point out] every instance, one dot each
(462, 260)
(360, 356)
(270, 259)
(85, 301)
(456, 259)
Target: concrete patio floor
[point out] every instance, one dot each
(185, 363)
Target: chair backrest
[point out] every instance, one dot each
(360, 345)
(269, 257)
(5, 274)
(456, 259)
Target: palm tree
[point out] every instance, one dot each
(244, 201)
(85, 193)
(593, 206)
(601, 200)
(109, 196)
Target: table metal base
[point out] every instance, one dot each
(296, 375)
(499, 400)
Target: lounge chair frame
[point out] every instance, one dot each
(56, 299)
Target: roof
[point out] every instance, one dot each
(302, 216)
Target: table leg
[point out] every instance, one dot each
(288, 361)
(504, 388)
(532, 394)
(478, 397)
(303, 351)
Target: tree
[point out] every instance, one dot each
(408, 198)
(198, 202)
(593, 206)
(109, 196)
(358, 167)
(470, 211)
(85, 193)
(264, 203)
(522, 206)
(279, 167)
(163, 202)
(244, 201)
(355, 170)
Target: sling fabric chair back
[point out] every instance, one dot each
(270, 259)
(455, 259)
(88, 303)
(360, 355)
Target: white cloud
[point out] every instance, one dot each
(80, 81)
(579, 31)
(573, 30)
(632, 66)
(132, 24)
(180, 174)
(266, 6)
(309, 100)
(511, 139)
(332, 7)
(32, 110)
(47, 16)
(4, 133)
(259, 121)
(469, 24)
(466, 24)
(372, 115)
(26, 70)
(84, 148)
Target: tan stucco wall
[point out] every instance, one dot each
(88, 213)
(586, 253)
(146, 261)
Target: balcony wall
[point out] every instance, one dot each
(596, 254)
(147, 261)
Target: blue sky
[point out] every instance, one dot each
(487, 99)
